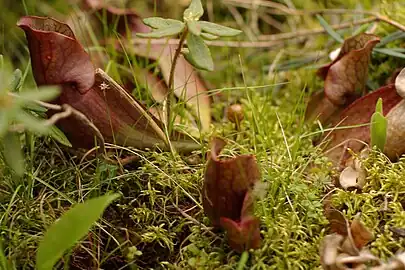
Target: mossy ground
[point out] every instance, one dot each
(159, 220)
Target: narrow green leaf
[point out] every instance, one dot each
(35, 107)
(378, 129)
(208, 36)
(379, 106)
(59, 136)
(12, 153)
(194, 11)
(218, 30)
(157, 22)
(329, 29)
(16, 81)
(163, 32)
(44, 93)
(199, 53)
(70, 228)
(389, 52)
(194, 27)
(31, 123)
(391, 37)
(361, 29)
(243, 260)
(4, 265)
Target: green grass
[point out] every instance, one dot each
(159, 221)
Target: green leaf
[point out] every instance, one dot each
(35, 108)
(199, 53)
(218, 30)
(361, 29)
(194, 11)
(16, 81)
(157, 22)
(59, 136)
(194, 27)
(391, 37)
(4, 265)
(379, 106)
(378, 127)
(163, 32)
(31, 123)
(70, 228)
(12, 153)
(208, 36)
(44, 93)
(329, 29)
(390, 52)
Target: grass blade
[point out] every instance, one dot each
(329, 29)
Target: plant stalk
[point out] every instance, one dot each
(170, 95)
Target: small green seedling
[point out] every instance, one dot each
(378, 127)
(192, 30)
(195, 32)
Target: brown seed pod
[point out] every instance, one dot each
(234, 113)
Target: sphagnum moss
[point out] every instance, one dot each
(159, 222)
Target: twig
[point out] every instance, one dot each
(316, 31)
(187, 216)
(239, 20)
(215, 43)
(171, 76)
(284, 10)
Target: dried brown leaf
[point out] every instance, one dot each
(360, 233)
(329, 251)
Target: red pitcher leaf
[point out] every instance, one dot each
(226, 183)
(120, 118)
(347, 76)
(57, 57)
(337, 221)
(321, 108)
(357, 118)
(353, 43)
(242, 235)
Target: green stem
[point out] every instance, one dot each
(171, 77)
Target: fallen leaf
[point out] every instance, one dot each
(354, 175)
(58, 58)
(398, 231)
(329, 251)
(228, 199)
(337, 221)
(360, 233)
